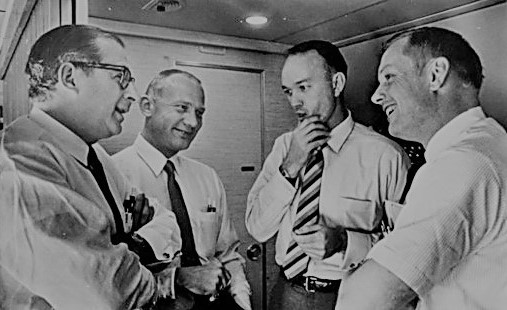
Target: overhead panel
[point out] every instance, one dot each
(290, 21)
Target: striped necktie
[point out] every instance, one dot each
(307, 213)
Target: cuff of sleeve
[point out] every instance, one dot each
(241, 289)
(239, 286)
(157, 243)
(278, 191)
(240, 292)
(242, 300)
(162, 232)
(281, 188)
(358, 245)
(291, 180)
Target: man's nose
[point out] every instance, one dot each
(191, 119)
(378, 96)
(296, 101)
(131, 95)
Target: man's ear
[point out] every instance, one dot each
(338, 83)
(438, 71)
(146, 105)
(67, 75)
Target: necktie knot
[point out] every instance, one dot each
(317, 152)
(92, 158)
(316, 159)
(169, 169)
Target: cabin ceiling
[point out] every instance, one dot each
(291, 21)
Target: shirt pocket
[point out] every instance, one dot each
(207, 225)
(357, 214)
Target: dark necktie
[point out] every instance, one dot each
(96, 169)
(307, 213)
(190, 256)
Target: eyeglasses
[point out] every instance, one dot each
(125, 77)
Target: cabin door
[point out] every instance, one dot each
(230, 141)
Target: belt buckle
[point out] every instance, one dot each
(308, 285)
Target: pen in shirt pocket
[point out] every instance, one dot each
(211, 206)
(128, 205)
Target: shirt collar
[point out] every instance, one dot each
(152, 156)
(451, 131)
(340, 133)
(69, 142)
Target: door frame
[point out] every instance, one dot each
(261, 72)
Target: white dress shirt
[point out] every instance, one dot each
(362, 169)
(450, 240)
(204, 197)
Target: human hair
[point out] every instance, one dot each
(57, 46)
(431, 42)
(156, 87)
(331, 54)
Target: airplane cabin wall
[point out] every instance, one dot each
(45, 16)
(484, 29)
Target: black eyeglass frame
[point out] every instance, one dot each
(126, 76)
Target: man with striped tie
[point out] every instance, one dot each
(323, 186)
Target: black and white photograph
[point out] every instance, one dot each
(253, 154)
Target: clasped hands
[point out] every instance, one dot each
(214, 279)
(209, 279)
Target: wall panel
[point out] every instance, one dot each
(44, 16)
(484, 29)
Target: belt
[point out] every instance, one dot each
(313, 284)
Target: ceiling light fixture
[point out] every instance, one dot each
(256, 20)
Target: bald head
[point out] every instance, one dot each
(173, 108)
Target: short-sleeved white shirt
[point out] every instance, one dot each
(450, 240)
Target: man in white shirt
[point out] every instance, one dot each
(67, 242)
(361, 171)
(450, 240)
(173, 108)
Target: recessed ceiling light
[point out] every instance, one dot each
(256, 20)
